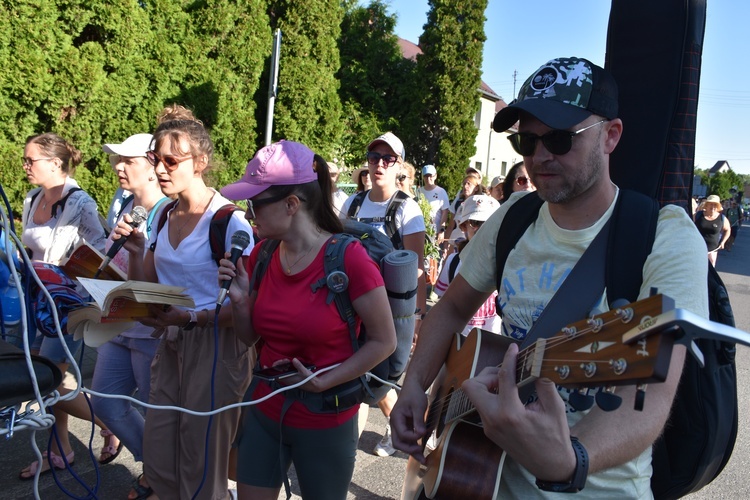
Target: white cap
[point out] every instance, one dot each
(393, 142)
(477, 207)
(134, 146)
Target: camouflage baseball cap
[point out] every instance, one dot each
(562, 93)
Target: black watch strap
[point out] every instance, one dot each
(578, 481)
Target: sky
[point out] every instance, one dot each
(523, 35)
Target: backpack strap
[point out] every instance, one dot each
(61, 204)
(162, 220)
(217, 231)
(267, 247)
(356, 204)
(517, 219)
(124, 204)
(391, 210)
(453, 266)
(635, 217)
(152, 214)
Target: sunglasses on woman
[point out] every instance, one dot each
(374, 158)
(522, 180)
(252, 205)
(169, 162)
(557, 142)
(476, 224)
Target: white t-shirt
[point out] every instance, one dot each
(486, 317)
(409, 219)
(535, 269)
(438, 200)
(190, 265)
(37, 237)
(339, 198)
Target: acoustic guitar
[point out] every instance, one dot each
(618, 347)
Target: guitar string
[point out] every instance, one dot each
(463, 401)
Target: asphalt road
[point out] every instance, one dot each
(375, 477)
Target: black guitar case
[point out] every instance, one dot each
(15, 381)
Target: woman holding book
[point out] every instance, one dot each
(58, 216)
(124, 363)
(182, 373)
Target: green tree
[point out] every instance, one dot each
(723, 183)
(441, 126)
(375, 78)
(308, 108)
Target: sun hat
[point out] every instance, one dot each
(282, 163)
(133, 147)
(392, 141)
(477, 207)
(714, 199)
(358, 171)
(563, 93)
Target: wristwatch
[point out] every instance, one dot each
(578, 481)
(192, 321)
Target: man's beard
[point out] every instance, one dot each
(580, 183)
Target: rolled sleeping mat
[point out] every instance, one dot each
(400, 276)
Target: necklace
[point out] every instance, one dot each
(286, 258)
(190, 214)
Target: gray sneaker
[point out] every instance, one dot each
(385, 447)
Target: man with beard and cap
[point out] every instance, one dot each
(566, 115)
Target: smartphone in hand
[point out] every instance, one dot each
(280, 371)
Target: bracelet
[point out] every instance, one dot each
(192, 321)
(578, 481)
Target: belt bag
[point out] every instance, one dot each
(334, 400)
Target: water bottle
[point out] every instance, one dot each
(11, 308)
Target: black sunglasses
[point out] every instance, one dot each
(374, 158)
(557, 142)
(169, 162)
(252, 205)
(476, 224)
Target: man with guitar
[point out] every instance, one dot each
(567, 128)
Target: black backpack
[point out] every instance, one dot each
(389, 219)
(699, 436)
(363, 389)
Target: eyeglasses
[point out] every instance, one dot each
(364, 174)
(476, 224)
(374, 158)
(28, 162)
(522, 180)
(252, 205)
(402, 178)
(169, 162)
(557, 142)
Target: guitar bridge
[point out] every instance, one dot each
(530, 363)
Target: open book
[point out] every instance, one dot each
(85, 261)
(116, 305)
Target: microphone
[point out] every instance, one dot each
(139, 214)
(240, 241)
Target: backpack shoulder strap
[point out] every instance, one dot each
(518, 218)
(630, 240)
(391, 210)
(356, 204)
(217, 231)
(453, 266)
(124, 204)
(61, 203)
(267, 248)
(162, 220)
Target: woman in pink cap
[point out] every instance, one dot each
(288, 192)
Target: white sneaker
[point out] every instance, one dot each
(385, 447)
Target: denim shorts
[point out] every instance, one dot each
(52, 349)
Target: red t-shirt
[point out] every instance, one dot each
(294, 322)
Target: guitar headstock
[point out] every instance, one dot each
(591, 352)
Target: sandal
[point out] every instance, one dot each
(108, 448)
(143, 492)
(57, 462)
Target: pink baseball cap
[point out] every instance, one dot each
(282, 163)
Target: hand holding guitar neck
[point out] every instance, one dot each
(138, 216)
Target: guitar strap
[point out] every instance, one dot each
(575, 298)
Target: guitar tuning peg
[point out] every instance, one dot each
(607, 400)
(640, 396)
(581, 401)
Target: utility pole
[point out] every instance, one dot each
(273, 84)
(515, 75)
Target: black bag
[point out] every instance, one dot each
(15, 383)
